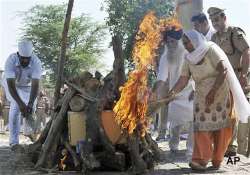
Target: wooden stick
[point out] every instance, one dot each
(94, 114)
(55, 128)
(61, 61)
(77, 103)
(38, 144)
(138, 164)
(83, 94)
(163, 100)
(73, 154)
(154, 147)
(154, 106)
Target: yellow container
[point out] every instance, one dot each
(76, 127)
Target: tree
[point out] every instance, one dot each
(44, 26)
(123, 19)
(125, 15)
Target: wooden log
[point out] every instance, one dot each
(98, 75)
(95, 130)
(73, 154)
(41, 139)
(157, 152)
(61, 61)
(50, 163)
(58, 105)
(89, 161)
(147, 154)
(92, 86)
(83, 93)
(115, 161)
(55, 128)
(80, 79)
(38, 144)
(109, 94)
(77, 103)
(119, 77)
(138, 164)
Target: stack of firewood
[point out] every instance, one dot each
(91, 94)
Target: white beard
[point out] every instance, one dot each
(175, 58)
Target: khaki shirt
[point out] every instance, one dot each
(233, 42)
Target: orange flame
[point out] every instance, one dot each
(147, 41)
(132, 106)
(170, 23)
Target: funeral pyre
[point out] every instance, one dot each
(90, 95)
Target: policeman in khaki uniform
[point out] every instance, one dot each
(233, 41)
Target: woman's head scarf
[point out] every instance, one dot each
(200, 45)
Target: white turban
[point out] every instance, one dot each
(25, 48)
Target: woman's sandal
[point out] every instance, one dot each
(197, 167)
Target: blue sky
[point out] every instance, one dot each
(238, 14)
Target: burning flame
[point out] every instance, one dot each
(170, 23)
(132, 106)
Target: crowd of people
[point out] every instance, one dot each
(207, 71)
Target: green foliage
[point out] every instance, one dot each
(44, 26)
(124, 19)
(125, 16)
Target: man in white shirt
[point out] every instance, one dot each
(161, 89)
(22, 74)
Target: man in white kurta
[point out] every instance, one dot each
(22, 73)
(162, 88)
(180, 111)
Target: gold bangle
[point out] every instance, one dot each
(172, 93)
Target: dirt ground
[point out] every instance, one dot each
(172, 164)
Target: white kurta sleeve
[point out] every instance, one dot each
(163, 67)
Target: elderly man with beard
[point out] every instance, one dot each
(180, 111)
